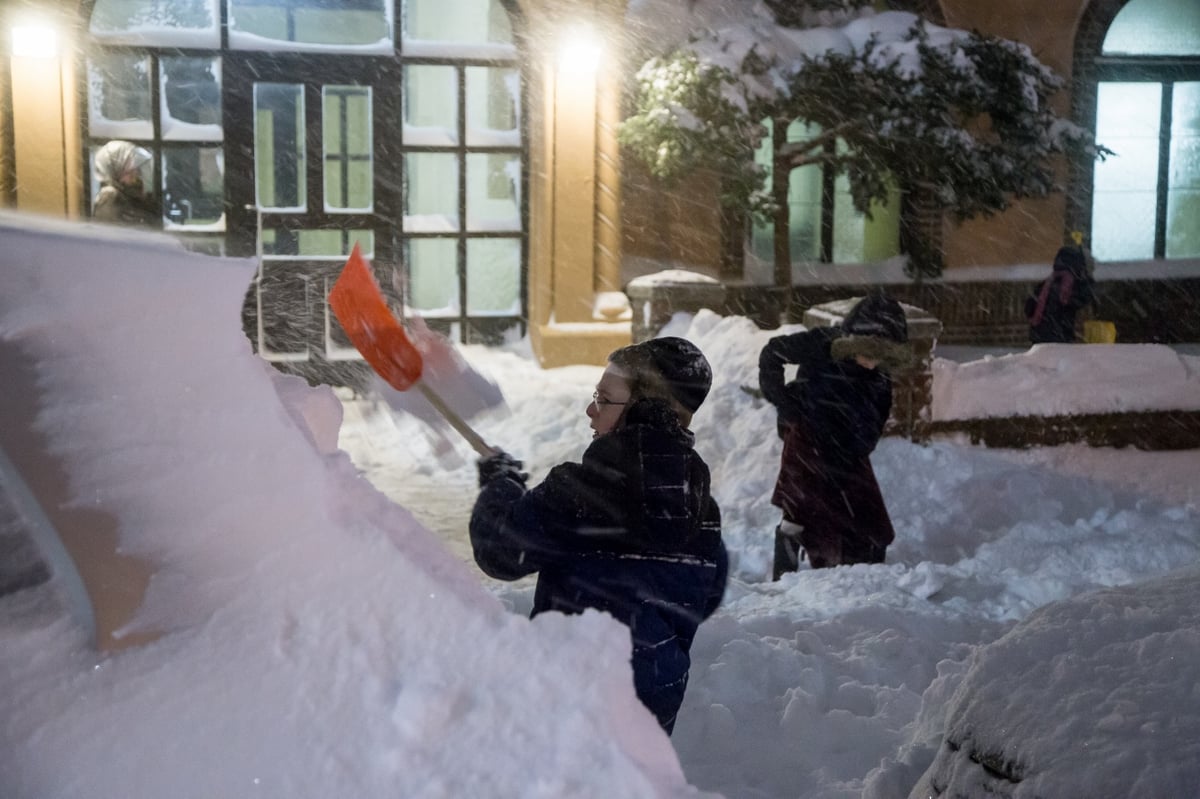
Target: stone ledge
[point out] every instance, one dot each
(578, 342)
(1147, 430)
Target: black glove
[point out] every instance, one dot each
(499, 465)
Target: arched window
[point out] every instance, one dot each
(296, 128)
(1146, 197)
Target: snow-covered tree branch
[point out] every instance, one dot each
(964, 116)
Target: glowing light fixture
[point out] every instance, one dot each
(579, 51)
(33, 40)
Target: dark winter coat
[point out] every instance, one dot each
(1052, 307)
(632, 530)
(830, 419)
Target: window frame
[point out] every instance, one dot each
(1090, 67)
(1165, 71)
(240, 68)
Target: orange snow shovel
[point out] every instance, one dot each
(369, 324)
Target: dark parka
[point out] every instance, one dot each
(830, 419)
(125, 206)
(632, 530)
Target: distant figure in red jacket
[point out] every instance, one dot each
(1052, 307)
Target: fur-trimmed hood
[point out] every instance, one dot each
(891, 355)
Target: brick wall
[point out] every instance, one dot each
(991, 313)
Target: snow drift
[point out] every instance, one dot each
(270, 551)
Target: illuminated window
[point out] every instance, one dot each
(1146, 197)
(823, 225)
(347, 26)
(302, 126)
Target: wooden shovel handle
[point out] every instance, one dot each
(456, 421)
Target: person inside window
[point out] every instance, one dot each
(631, 530)
(123, 199)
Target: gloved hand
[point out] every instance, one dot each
(501, 464)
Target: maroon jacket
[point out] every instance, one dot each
(830, 418)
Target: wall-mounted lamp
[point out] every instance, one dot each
(33, 40)
(579, 51)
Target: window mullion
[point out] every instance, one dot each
(461, 151)
(156, 128)
(1164, 170)
(828, 197)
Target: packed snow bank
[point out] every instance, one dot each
(320, 642)
(1063, 379)
(1106, 672)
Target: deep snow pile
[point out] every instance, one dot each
(837, 683)
(1113, 700)
(322, 643)
(1060, 379)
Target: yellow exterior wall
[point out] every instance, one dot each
(1031, 231)
(574, 239)
(6, 170)
(47, 146)
(671, 228)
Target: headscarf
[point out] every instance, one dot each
(115, 159)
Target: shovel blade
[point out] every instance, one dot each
(359, 306)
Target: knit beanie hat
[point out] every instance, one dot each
(683, 368)
(1070, 259)
(877, 315)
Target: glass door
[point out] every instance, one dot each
(305, 187)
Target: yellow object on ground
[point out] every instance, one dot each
(1096, 331)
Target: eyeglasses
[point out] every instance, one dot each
(600, 402)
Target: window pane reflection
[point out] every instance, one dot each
(179, 23)
(430, 106)
(1123, 209)
(1155, 27)
(804, 213)
(492, 106)
(492, 201)
(283, 242)
(191, 99)
(349, 26)
(193, 187)
(1183, 193)
(457, 21)
(857, 239)
(494, 277)
(430, 192)
(119, 97)
(346, 121)
(432, 276)
(279, 179)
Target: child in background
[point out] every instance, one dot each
(1052, 307)
(830, 419)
